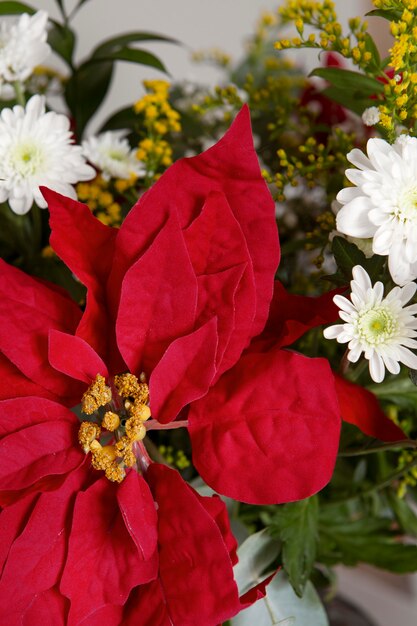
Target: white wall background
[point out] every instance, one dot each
(197, 24)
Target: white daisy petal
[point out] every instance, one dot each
(110, 152)
(377, 368)
(381, 328)
(36, 149)
(384, 204)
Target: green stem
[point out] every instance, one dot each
(391, 445)
(20, 93)
(36, 218)
(378, 487)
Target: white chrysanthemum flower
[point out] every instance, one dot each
(383, 204)
(36, 149)
(22, 46)
(110, 152)
(383, 328)
(371, 116)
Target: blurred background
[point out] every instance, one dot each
(225, 24)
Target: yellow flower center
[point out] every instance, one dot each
(117, 422)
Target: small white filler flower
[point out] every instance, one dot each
(371, 116)
(22, 46)
(110, 152)
(36, 149)
(383, 203)
(383, 328)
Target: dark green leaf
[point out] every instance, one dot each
(15, 8)
(346, 79)
(346, 99)
(372, 48)
(124, 118)
(62, 41)
(122, 40)
(400, 391)
(296, 525)
(347, 255)
(133, 55)
(389, 14)
(406, 517)
(367, 540)
(86, 90)
(374, 266)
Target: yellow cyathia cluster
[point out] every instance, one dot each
(176, 458)
(127, 427)
(99, 198)
(157, 119)
(400, 91)
(355, 45)
(214, 55)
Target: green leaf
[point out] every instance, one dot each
(347, 255)
(367, 540)
(118, 42)
(124, 118)
(255, 555)
(389, 14)
(406, 517)
(374, 266)
(354, 82)
(347, 100)
(296, 525)
(62, 41)
(133, 55)
(400, 391)
(281, 607)
(371, 47)
(15, 8)
(86, 90)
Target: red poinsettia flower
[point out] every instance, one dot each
(175, 297)
(290, 317)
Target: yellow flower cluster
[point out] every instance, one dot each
(157, 118)
(177, 459)
(214, 55)
(322, 17)
(400, 92)
(410, 478)
(100, 200)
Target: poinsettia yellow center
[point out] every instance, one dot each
(116, 423)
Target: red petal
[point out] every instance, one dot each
(361, 408)
(184, 373)
(87, 247)
(195, 569)
(147, 606)
(274, 414)
(221, 260)
(73, 356)
(158, 300)
(291, 316)
(216, 508)
(48, 607)
(103, 562)
(15, 384)
(12, 521)
(141, 521)
(37, 556)
(230, 167)
(24, 334)
(39, 439)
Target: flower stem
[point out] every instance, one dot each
(391, 445)
(20, 93)
(155, 425)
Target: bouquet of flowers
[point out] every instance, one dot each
(182, 443)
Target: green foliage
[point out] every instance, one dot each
(296, 526)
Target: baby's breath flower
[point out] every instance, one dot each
(382, 328)
(371, 116)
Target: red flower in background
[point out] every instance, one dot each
(179, 292)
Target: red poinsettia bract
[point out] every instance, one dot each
(176, 295)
